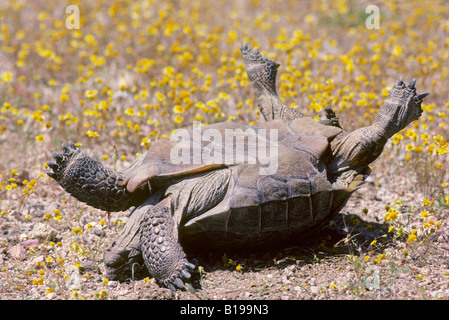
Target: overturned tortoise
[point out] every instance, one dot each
(198, 191)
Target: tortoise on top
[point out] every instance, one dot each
(219, 202)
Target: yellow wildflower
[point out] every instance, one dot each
(64, 97)
(178, 109)
(424, 214)
(397, 51)
(160, 96)
(178, 119)
(130, 112)
(6, 77)
(90, 94)
(91, 134)
(412, 237)
(391, 215)
(77, 230)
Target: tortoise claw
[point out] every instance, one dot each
(412, 84)
(57, 156)
(185, 274)
(190, 265)
(178, 282)
(53, 165)
(244, 47)
(400, 82)
(177, 279)
(423, 95)
(51, 175)
(65, 148)
(171, 287)
(72, 145)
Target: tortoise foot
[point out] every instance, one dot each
(162, 253)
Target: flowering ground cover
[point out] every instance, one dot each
(135, 70)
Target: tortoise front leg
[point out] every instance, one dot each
(89, 181)
(356, 150)
(162, 253)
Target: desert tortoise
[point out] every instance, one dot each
(200, 199)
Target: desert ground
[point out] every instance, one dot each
(114, 76)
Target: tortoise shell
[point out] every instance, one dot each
(235, 204)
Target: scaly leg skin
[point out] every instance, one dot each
(89, 181)
(262, 72)
(162, 253)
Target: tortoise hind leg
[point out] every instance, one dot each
(124, 253)
(162, 253)
(262, 72)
